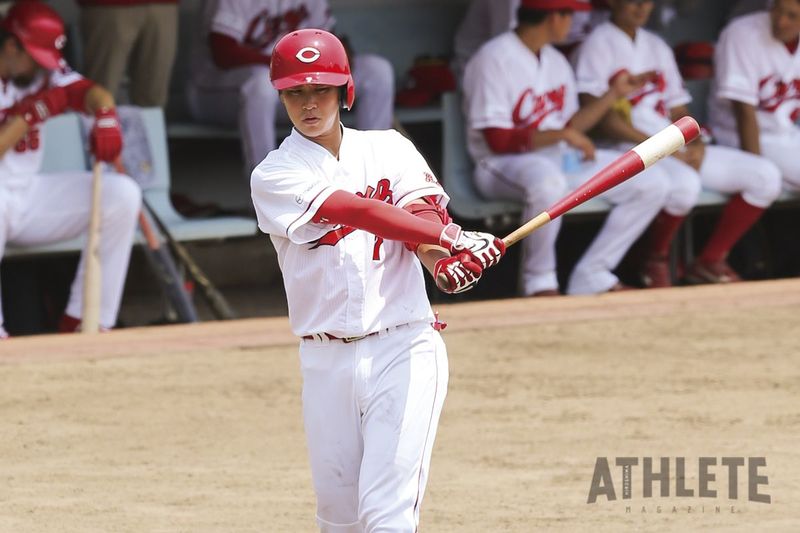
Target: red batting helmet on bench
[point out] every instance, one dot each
(311, 56)
(40, 30)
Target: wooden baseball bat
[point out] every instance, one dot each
(90, 319)
(662, 144)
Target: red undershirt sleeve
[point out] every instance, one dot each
(509, 141)
(379, 218)
(228, 53)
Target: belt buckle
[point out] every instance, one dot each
(348, 340)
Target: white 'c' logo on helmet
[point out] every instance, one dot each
(308, 54)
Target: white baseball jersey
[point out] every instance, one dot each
(25, 158)
(339, 280)
(753, 67)
(608, 50)
(254, 23)
(506, 86)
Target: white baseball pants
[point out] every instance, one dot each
(371, 409)
(56, 207)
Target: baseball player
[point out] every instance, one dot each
(753, 182)
(351, 215)
(36, 208)
(524, 129)
(231, 61)
(755, 102)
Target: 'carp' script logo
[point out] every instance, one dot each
(383, 192)
(532, 109)
(707, 470)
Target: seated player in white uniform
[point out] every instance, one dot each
(230, 61)
(753, 182)
(351, 215)
(36, 208)
(523, 119)
(755, 101)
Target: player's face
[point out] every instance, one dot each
(313, 109)
(785, 16)
(561, 22)
(20, 66)
(631, 14)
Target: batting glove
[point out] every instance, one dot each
(37, 108)
(456, 274)
(484, 248)
(106, 136)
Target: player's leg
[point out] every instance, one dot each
(406, 384)
(153, 56)
(56, 207)
(374, 79)
(109, 33)
(332, 421)
(635, 203)
(684, 189)
(754, 183)
(539, 182)
(782, 151)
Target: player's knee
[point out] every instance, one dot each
(546, 189)
(374, 73)
(683, 191)
(766, 187)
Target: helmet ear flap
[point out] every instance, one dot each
(347, 94)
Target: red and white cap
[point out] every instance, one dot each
(557, 5)
(40, 30)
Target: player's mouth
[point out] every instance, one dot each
(311, 121)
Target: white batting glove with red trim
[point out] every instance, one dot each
(460, 272)
(484, 248)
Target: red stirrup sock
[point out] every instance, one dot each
(662, 231)
(737, 217)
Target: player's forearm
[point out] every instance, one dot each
(592, 111)
(542, 138)
(747, 127)
(379, 218)
(428, 254)
(613, 126)
(97, 98)
(11, 132)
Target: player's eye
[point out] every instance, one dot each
(322, 90)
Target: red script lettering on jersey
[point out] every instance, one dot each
(657, 84)
(383, 192)
(531, 109)
(265, 28)
(773, 92)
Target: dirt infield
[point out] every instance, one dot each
(198, 428)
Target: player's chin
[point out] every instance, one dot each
(314, 127)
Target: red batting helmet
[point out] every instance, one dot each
(311, 56)
(40, 30)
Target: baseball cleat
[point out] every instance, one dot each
(711, 272)
(655, 274)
